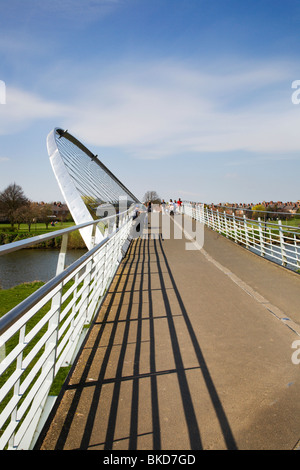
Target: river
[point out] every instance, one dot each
(30, 265)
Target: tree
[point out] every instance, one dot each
(27, 214)
(272, 212)
(44, 213)
(11, 199)
(152, 196)
(259, 211)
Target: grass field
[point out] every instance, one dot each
(9, 298)
(7, 235)
(36, 228)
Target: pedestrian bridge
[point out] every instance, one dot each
(190, 350)
(179, 333)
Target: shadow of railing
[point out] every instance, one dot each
(223, 421)
(134, 287)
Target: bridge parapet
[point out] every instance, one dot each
(42, 334)
(272, 240)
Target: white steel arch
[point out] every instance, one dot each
(85, 182)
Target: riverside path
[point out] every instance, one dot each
(190, 350)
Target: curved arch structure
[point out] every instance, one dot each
(85, 182)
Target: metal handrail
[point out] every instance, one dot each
(17, 312)
(71, 299)
(18, 245)
(274, 241)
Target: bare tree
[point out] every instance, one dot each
(11, 199)
(44, 213)
(152, 196)
(27, 214)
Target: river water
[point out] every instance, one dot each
(30, 265)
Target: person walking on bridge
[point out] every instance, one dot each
(171, 207)
(179, 204)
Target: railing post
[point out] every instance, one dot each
(202, 217)
(218, 219)
(16, 388)
(62, 254)
(246, 231)
(296, 249)
(234, 227)
(261, 238)
(53, 339)
(213, 219)
(226, 224)
(72, 340)
(93, 237)
(282, 244)
(270, 240)
(87, 279)
(56, 305)
(210, 218)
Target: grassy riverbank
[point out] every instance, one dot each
(9, 235)
(9, 298)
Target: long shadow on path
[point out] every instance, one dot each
(113, 398)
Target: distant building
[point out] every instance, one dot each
(60, 210)
(244, 208)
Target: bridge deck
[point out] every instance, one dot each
(188, 352)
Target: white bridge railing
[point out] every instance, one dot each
(271, 239)
(43, 333)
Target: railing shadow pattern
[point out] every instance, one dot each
(141, 300)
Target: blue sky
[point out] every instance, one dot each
(191, 98)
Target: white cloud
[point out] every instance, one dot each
(155, 110)
(23, 108)
(161, 109)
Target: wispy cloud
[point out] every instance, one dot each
(69, 11)
(77, 10)
(155, 110)
(24, 108)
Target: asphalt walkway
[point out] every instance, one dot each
(190, 350)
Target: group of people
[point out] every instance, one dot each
(171, 207)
